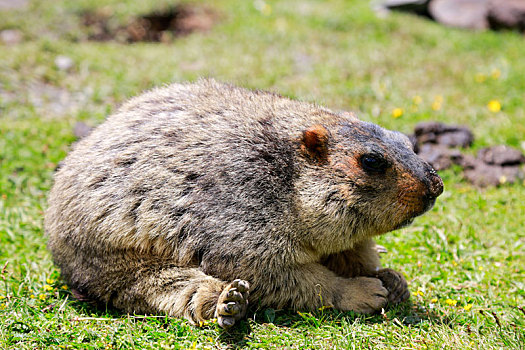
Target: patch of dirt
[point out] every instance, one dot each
(440, 157)
(483, 174)
(501, 155)
(159, 26)
(442, 134)
(439, 145)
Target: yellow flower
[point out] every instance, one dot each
(494, 106)
(467, 307)
(417, 100)
(397, 112)
(451, 302)
(480, 268)
(50, 281)
(2, 297)
(496, 73)
(480, 78)
(42, 297)
(434, 300)
(64, 287)
(2, 306)
(32, 296)
(418, 292)
(47, 287)
(438, 101)
(454, 263)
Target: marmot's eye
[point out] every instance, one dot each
(373, 163)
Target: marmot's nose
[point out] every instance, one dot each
(435, 187)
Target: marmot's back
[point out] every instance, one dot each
(169, 158)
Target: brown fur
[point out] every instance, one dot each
(195, 199)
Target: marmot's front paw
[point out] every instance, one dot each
(364, 295)
(232, 303)
(396, 285)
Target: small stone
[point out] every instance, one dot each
(81, 130)
(63, 63)
(11, 36)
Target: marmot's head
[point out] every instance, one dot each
(376, 183)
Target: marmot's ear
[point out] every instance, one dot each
(314, 143)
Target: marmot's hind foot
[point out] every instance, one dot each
(396, 285)
(232, 303)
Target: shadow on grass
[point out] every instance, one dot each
(406, 314)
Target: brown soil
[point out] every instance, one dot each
(159, 26)
(439, 145)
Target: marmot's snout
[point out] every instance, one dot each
(434, 188)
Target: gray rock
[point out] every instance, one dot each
(470, 14)
(507, 14)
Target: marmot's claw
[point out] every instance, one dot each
(232, 303)
(225, 322)
(380, 249)
(242, 286)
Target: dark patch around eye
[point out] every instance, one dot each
(373, 163)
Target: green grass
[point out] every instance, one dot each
(469, 250)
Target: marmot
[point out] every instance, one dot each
(196, 199)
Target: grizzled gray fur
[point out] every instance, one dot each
(194, 200)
